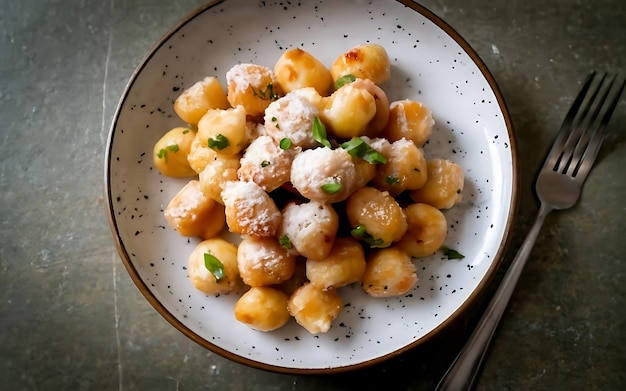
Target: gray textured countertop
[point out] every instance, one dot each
(72, 318)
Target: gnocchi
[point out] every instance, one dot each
(325, 182)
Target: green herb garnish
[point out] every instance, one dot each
(357, 147)
(219, 142)
(186, 131)
(392, 180)
(344, 80)
(331, 188)
(215, 266)
(451, 253)
(360, 233)
(285, 143)
(285, 242)
(268, 93)
(265, 163)
(170, 148)
(319, 133)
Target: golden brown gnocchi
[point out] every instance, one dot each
(195, 101)
(309, 166)
(170, 153)
(297, 69)
(263, 308)
(213, 267)
(314, 308)
(389, 272)
(444, 187)
(367, 61)
(190, 213)
(263, 261)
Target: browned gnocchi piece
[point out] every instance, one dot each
(405, 168)
(213, 269)
(196, 100)
(375, 217)
(348, 111)
(263, 308)
(409, 119)
(427, 230)
(366, 61)
(444, 187)
(344, 265)
(389, 272)
(216, 174)
(380, 119)
(314, 308)
(253, 87)
(191, 213)
(266, 164)
(324, 175)
(170, 153)
(224, 131)
(250, 211)
(296, 69)
(309, 227)
(200, 154)
(263, 261)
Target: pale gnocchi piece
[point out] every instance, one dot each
(389, 272)
(410, 120)
(405, 168)
(216, 174)
(344, 265)
(263, 308)
(291, 117)
(200, 154)
(375, 217)
(444, 187)
(196, 100)
(380, 119)
(366, 61)
(314, 308)
(263, 261)
(170, 153)
(266, 164)
(251, 86)
(250, 210)
(427, 230)
(365, 172)
(191, 213)
(323, 174)
(309, 227)
(224, 131)
(296, 68)
(348, 111)
(213, 269)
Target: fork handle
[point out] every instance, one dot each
(462, 373)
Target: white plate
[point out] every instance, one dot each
(430, 63)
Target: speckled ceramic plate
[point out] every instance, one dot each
(430, 63)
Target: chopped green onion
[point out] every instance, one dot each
(186, 131)
(285, 242)
(392, 180)
(319, 133)
(219, 142)
(215, 266)
(451, 253)
(267, 93)
(360, 233)
(344, 80)
(357, 147)
(285, 143)
(170, 148)
(331, 188)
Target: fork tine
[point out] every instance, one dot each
(586, 156)
(556, 152)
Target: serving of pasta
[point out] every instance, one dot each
(323, 178)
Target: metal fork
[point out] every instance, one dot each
(558, 186)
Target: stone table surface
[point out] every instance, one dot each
(72, 319)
